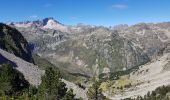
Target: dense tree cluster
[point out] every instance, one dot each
(52, 88)
(12, 82)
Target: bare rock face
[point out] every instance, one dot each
(89, 50)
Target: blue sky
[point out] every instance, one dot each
(95, 12)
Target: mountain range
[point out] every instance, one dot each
(93, 50)
(120, 55)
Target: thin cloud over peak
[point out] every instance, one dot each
(120, 6)
(33, 17)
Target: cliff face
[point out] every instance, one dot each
(12, 41)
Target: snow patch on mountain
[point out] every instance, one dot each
(52, 24)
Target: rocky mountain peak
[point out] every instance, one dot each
(50, 20)
(46, 23)
(51, 23)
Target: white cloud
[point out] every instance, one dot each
(32, 17)
(120, 6)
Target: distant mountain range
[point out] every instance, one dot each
(93, 50)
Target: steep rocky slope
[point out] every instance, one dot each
(12, 41)
(30, 71)
(33, 74)
(147, 78)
